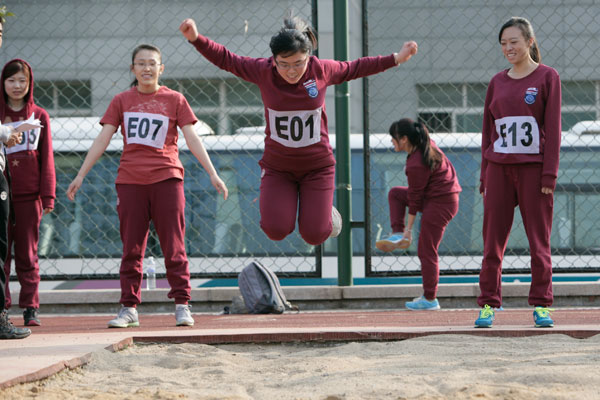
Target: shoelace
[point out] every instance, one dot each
(486, 312)
(543, 312)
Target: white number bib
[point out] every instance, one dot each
(145, 128)
(29, 140)
(517, 135)
(299, 128)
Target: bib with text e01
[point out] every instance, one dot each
(145, 128)
(299, 128)
(517, 135)
(29, 139)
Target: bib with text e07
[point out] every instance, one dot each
(146, 128)
(517, 135)
(299, 128)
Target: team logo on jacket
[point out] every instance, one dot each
(3, 196)
(530, 95)
(311, 88)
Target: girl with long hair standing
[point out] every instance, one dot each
(33, 183)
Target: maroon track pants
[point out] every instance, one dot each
(506, 187)
(283, 195)
(437, 214)
(163, 203)
(25, 236)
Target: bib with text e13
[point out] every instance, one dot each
(145, 128)
(517, 135)
(299, 128)
(29, 139)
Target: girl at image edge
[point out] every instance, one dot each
(519, 166)
(33, 183)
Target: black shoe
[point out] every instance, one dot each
(30, 316)
(9, 331)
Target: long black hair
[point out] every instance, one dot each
(418, 136)
(527, 30)
(296, 35)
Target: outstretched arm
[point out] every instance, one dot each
(197, 148)
(247, 68)
(337, 72)
(98, 147)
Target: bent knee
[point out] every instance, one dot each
(276, 232)
(315, 238)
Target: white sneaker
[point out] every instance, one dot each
(183, 315)
(336, 222)
(127, 318)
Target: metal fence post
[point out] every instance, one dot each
(342, 140)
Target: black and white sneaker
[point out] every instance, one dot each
(31, 317)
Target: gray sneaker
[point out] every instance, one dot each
(127, 318)
(336, 222)
(183, 315)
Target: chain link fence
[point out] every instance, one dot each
(445, 88)
(80, 52)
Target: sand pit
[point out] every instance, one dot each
(433, 367)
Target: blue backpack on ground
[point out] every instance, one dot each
(261, 290)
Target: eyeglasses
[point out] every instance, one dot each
(299, 64)
(143, 65)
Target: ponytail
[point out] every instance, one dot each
(431, 157)
(296, 35)
(418, 136)
(534, 52)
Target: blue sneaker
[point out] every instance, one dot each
(393, 242)
(486, 317)
(541, 317)
(421, 303)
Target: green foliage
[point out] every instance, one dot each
(4, 13)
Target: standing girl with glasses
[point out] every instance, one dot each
(150, 180)
(433, 190)
(298, 167)
(519, 166)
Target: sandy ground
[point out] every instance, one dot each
(433, 367)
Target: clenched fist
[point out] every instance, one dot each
(409, 49)
(188, 29)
